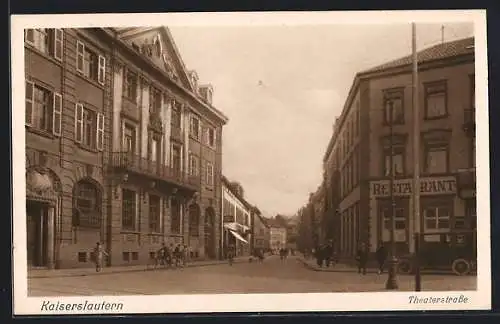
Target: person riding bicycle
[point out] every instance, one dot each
(162, 254)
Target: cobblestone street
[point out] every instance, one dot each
(271, 276)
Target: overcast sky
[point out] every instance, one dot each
(282, 87)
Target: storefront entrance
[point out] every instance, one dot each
(37, 233)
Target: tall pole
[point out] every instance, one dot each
(416, 158)
(391, 283)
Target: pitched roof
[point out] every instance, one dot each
(437, 52)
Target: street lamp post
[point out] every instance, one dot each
(392, 283)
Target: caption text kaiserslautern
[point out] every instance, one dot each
(438, 300)
(48, 306)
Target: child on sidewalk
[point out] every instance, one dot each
(99, 254)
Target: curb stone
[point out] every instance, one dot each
(122, 270)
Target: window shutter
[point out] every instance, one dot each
(29, 35)
(58, 44)
(215, 138)
(78, 123)
(57, 114)
(200, 131)
(102, 69)
(30, 94)
(100, 131)
(80, 49)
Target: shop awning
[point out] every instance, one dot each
(236, 227)
(231, 226)
(238, 236)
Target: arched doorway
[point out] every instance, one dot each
(210, 232)
(43, 205)
(194, 220)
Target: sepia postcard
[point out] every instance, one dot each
(250, 162)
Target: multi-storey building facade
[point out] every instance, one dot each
(277, 235)
(360, 149)
(236, 219)
(123, 147)
(67, 96)
(260, 231)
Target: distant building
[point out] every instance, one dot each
(260, 231)
(277, 234)
(236, 219)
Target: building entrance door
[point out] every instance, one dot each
(36, 225)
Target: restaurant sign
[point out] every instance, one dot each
(404, 187)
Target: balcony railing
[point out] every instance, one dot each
(469, 120)
(154, 169)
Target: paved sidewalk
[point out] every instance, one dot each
(337, 267)
(342, 267)
(79, 272)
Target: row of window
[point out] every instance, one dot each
(437, 215)
(349, 223)
(194, 169)
(436, 159)
(435, 104)
(50, 41)
(44, 113)
(130, 213)
(350, 173)
(235, 213)
(88, 211)
(155, 102)
(349, 135)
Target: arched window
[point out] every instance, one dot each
(87, 205)
(194, 220)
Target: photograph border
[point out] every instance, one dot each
(320, 302)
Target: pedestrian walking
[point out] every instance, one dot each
(381, 257)
(230, 254)
(99, 255)
(362, 258)
(177, 255)
(161, 255)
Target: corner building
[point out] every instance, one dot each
(359, 151)
(123, 146)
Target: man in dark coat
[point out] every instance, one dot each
(381, 257)
(362, 258)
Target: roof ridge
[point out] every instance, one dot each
(437, 51)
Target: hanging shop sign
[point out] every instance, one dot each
(404, 187)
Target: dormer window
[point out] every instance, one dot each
(209, 95)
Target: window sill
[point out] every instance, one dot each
(40, 132)
(428, 118)
(90, 80)
(87, 228)
(45, 55)
(129, 232)
(86, 148)
(398, 123)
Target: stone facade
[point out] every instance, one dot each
(78, 112)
